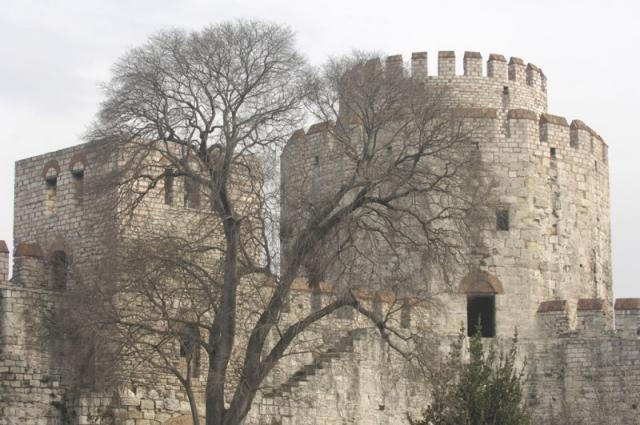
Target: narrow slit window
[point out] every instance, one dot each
(553, 153)
(505, 97)
(405, 316)
(316, 301)
(88, 366)
(187, 340)
(377, 308)
(481, 315)
(190, 349)
(168, 187)
(59, 270)
(78, 184)
(502, 219)
(195, 368)
(191, 193)
(52, 193)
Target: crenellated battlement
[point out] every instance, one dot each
(473, 65)
(553, 317)
(591, 320)
(29, 268)
(627, 317)
(496, 83)
(510, 90)
(552, 130)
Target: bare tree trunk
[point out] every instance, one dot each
(223, 330)
(192, 405)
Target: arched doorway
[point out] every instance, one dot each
(481, 288)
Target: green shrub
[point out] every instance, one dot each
(486, 389)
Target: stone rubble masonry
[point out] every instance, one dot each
(553, 268)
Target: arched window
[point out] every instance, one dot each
(78, 184)
(78, 165)
(50, 173)
(51, 183)
(59, 270)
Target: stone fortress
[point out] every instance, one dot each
(546, 271)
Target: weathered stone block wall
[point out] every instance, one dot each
(58, 208)
(75, 218)
(364, 383)
(552, 178)
(588, 373)
(503, 86)
(30, 390)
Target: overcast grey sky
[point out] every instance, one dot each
(54, 52)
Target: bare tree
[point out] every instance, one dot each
(198, 118)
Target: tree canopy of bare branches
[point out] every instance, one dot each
(207, 112)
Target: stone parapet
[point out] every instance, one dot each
(627, 317)
(553, 318)
(592, 319)
(513, 85)
(29, 266)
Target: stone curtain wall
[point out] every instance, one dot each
(57, 210)
(29, 391)
(580, 370)
(588, 373)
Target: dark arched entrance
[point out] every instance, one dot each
(481, 288)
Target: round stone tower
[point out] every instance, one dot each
(551, 236)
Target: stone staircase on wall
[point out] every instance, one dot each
(322, 360)
(305, 393)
